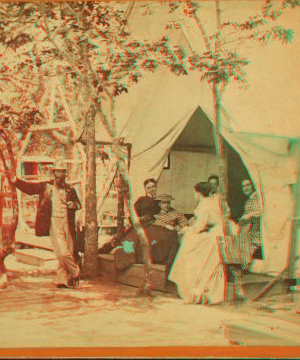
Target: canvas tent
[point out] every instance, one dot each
(261, 123)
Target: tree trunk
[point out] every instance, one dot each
(222, 159)
(217, 132)
(121, 204)
(238, 285)
(8, 232)
(91, 260)
(147, 260)
(133, 217)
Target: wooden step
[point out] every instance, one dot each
(254, 283)
(35, 257)
(296, 291)
(134, 275)
(26, 236)
(36, 242)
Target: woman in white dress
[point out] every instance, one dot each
(198, 270)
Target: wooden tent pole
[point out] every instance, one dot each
(121, 206)
(272, 282)
(295, 228)
(269, 285)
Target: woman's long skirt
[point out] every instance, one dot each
(198, 270)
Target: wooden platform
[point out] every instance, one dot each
(36, 242)
(134, 276)
(254, 283)
(35, 257)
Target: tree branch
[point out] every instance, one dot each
(48, 32)
(218, 42)
(203, 32)
(222, 90)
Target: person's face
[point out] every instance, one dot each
(247, 187)
(198, 196)
(60, 175)
(165, 205)
(214, 184)
(151, 189)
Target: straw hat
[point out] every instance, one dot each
(164, 197)
(59, 165)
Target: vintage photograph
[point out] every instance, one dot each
(150, 178)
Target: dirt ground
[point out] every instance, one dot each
(34, 313)
(100, 313)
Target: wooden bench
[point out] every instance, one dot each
(134, 275)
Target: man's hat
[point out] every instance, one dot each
(164, 197)
(59, 165)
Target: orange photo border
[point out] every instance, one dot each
(276, 352)
(157, 352)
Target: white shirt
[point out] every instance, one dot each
(59, 203)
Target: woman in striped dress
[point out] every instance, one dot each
(250, 235)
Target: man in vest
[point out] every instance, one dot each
(55, 216)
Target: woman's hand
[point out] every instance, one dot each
(169, 227)
(246, 217)
(184, 229)
(192, 220)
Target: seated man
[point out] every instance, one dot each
(169, 217)
(147, 206)
(161, 233)
(163, 243)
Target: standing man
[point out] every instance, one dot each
(55, 216)
(214, 182)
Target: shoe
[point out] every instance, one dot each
(62, 286)
(74, 282)
(240, 298)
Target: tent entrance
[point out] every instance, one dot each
(192, 159)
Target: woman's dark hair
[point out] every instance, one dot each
(216, 177)
(204, 188)
(146, 182)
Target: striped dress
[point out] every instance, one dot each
(250, 234)
(172, 218)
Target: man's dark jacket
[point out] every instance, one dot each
(44, 210)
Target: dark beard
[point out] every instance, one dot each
(60, 183)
